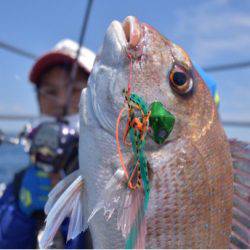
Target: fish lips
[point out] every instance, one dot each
(122, 39)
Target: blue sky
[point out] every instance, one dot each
(213, 32)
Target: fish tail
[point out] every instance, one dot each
(65, 200)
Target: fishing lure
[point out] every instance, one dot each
(137, 175)
(140, 118)
(137, 128)
(161, 122)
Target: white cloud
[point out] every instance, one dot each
(214, 47)
(214, 27)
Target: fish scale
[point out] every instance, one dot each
(184, 200)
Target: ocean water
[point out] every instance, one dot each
(12, 159)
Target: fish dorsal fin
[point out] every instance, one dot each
(240, 237)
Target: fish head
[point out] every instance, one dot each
(157, 70)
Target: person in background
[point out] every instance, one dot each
(51, 77)
(22, 203)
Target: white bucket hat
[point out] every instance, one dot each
(64, 52)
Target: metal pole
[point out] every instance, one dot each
(75, 64)
(17, 51)
(230, 66)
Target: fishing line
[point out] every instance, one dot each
(118, 143)
(130, 72)
(127, 96)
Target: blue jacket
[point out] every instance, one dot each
(17, 230)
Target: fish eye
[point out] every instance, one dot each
(180, 80)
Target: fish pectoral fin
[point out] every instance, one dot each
(65, 200)
(110, 197)
(129, 205)
(58, 190)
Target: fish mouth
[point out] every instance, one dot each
(121, 39)
(132, 31)
(128, 34)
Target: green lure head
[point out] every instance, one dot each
(161, 122)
